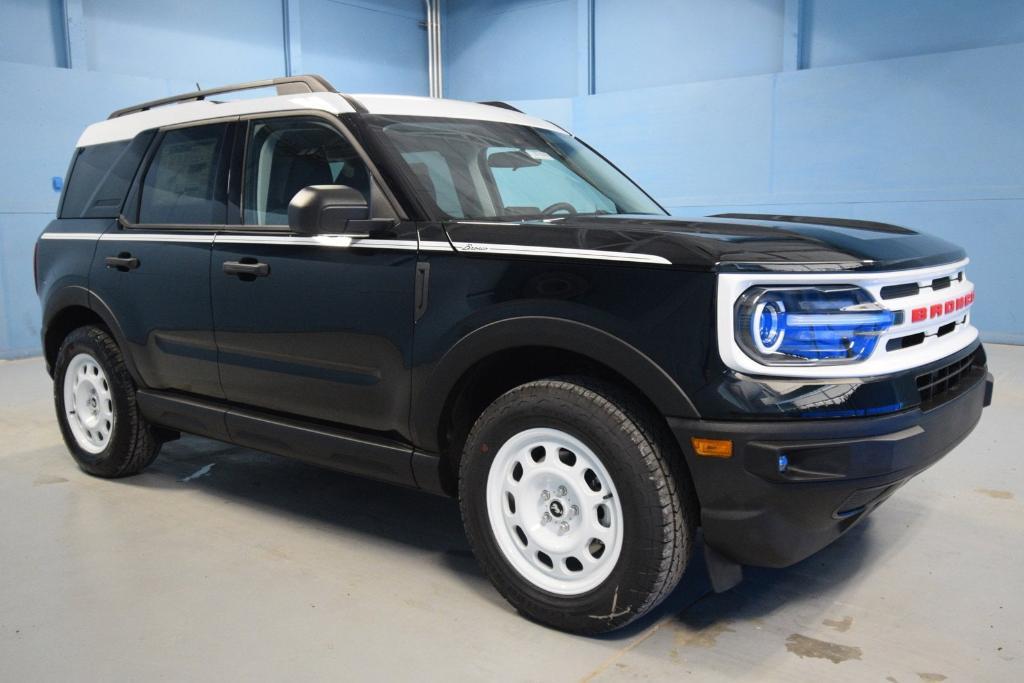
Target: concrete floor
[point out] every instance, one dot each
(220, 563)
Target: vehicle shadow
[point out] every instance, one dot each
(430, 523)
(321, 496)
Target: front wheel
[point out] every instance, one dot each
(96, 408)
(573, 506)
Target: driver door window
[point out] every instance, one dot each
(284, 155)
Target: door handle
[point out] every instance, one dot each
(122, 262)
(246, 269)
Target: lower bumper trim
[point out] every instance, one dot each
(836, 472)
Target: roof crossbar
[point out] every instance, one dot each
(288, 85)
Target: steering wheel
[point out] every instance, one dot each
(559, 206)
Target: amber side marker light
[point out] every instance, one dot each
(712, 448)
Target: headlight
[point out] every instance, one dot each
(815, 325)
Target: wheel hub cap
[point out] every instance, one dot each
(88, 403)
(554, 511)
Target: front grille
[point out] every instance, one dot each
(939, 385)
(904, 342)
(928, 311)
(913, 288)
(900, 291)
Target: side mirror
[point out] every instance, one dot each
(326, 209)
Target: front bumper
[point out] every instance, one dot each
(756, 512)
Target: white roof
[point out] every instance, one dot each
(128, 126)
(453, 109)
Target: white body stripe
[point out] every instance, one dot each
(882, 361)
(426, 245)
(331, 241)
(347, 242)
(560, 252)
(92, 236)
(155, 237)
(335, 241)
(130, 125)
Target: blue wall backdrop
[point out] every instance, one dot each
(907, 111)
(59, 72)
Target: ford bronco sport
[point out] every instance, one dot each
(464, 299)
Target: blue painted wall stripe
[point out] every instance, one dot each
(928, 142)
(123, 51)
(908, 112)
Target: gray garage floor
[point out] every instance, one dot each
(226, 564)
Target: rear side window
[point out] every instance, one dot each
(100, 177)
(185, 183)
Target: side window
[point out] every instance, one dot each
(531, 180)
(284, 155)
(100, 177)
(186, 180)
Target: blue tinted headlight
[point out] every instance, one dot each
(768, 325)
(821, 325)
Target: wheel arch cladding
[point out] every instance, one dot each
(528, 343)
(74, 307)
(64, 310)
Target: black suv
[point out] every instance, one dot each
(464, 299)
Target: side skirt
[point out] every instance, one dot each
(336, 449)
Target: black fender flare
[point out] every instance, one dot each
(79, 296)
(110, 320)
(55, 303)
(503, 335)
(64, 298)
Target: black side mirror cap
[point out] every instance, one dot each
(326, 209)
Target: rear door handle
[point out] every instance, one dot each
(123, 262)
(246, 268)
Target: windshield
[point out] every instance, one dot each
(489, 170)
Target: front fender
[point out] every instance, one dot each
(532, 331)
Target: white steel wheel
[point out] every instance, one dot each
(554, 511)
(88, 403)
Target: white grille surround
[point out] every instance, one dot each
(882, 361)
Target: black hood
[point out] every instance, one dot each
(725, 242)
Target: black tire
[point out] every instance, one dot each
(132, 444)
(659, 512)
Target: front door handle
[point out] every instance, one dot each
(246, 269)
(122, 262)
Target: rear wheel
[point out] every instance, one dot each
(573, 506)
(96, 408)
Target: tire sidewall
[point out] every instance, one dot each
(626, 586)
(109, 461)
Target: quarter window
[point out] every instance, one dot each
(185, 183)
(101, 176)
(284, 155)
